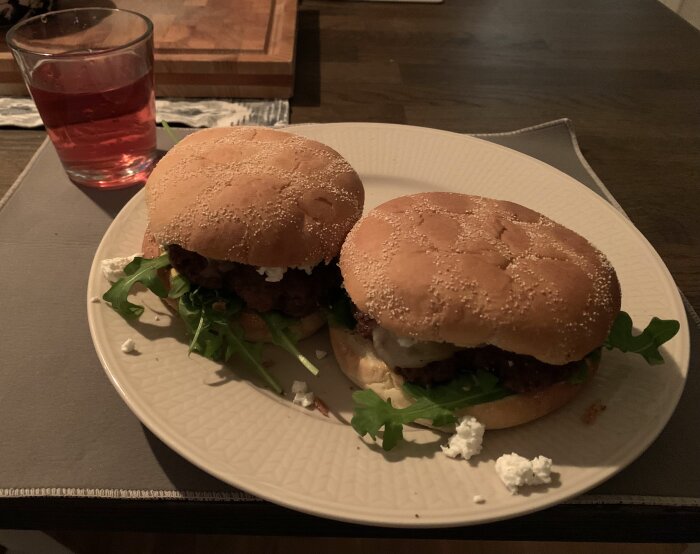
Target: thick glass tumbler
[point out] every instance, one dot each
(90, 73)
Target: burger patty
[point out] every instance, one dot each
(297, 294)
(516, 372)
(364, 324)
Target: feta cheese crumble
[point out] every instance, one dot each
(128, 346)
(275, 274)
(302, 395)
(272, 274)
(516, 471)
(113, 268)
(466, 441)
(320, 354)
(478, 499)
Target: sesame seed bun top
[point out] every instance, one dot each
(472, 271)
(254, 195)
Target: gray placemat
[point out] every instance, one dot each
(66, 432)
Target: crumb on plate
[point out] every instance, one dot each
(128, 346)
(591, 414)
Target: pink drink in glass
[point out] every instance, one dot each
(99, 122)
(90, 73)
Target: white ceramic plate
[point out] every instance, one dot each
(263, 444)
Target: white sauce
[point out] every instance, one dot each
(389, 347)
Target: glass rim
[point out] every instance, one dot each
(10, 36)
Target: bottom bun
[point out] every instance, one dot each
(255, 328)
(359, 361)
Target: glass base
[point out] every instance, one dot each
(122, 176)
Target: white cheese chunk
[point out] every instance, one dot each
(275, 274)
(516, 471)
(128, 346)
(113, 268)
(478, 499)
(302, 395)
(272, 274)
(466, 441)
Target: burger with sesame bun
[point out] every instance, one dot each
(464, 305)
(244, 228)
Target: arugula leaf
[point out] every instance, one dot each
(372, 413)
(189, 313)
(580, 374)
(207, 314)
(193, 309)
(436, 404)
(140, 270)
(170, 132)
(250, 352)
(647, 343)
(339, 309)
(179, 285)
(208, 318)
(212, 345)
(279, 330)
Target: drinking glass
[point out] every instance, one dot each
(90, 73)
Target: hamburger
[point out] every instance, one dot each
(244, 228)
(481, 305)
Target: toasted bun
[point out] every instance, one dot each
(469, 270)
(254, 328)
(254, 195)
(359, 361)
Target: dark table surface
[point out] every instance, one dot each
(627, 73)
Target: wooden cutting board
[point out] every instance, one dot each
(207, 48)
